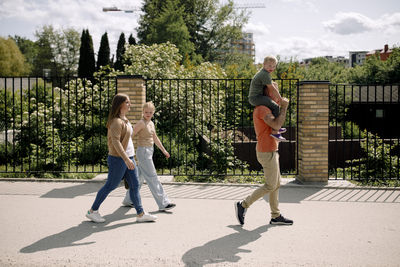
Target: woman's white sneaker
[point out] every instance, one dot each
(95, 216)
(146, 218)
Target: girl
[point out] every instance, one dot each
(147, 137)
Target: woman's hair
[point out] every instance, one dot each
(270, 58)
(117, 101)
(149, 105)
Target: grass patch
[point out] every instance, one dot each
(377, 182)
(80, 172)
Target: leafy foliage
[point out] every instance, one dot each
(200, 24)
(378, 161)
(12, 62)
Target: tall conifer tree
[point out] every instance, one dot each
(87, 63)
(120, 53)
(103, 57)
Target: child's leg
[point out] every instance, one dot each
(263, 100)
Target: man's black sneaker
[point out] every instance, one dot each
(281, 220)
(240, 212)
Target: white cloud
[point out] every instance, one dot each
(390, 24)
(353, 23)
(349, 23)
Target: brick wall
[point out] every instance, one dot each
(313, 131)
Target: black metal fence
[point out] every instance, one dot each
(58, 125)
(364, 132)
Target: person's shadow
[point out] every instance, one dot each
(71, 236)
(224, 249)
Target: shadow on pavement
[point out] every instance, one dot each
(71, 236)
(224, 249)
(73, 191)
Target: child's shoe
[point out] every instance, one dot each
(278, 137)
(282, 130)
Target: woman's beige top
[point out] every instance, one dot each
(118, 135)
(145, 136)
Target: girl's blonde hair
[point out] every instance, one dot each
(117, 102)
(149, 105)
(270, 58)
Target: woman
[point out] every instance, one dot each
(147, 137)
(121, 163)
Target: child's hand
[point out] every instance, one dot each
(166, 154)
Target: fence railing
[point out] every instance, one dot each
(364, 136)
(58, 125)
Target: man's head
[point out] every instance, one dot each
(270, 63)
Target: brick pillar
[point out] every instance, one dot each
(134, 87)
(313, 131)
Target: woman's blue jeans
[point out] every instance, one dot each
(117, 170)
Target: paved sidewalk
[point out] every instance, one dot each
(43, 224)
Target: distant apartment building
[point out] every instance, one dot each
(245, 45)
(383, 53)
(357, 58)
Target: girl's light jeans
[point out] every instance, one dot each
(117, 170)
(147, 172)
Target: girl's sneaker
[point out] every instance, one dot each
(95, 216)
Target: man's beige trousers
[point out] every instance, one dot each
(270, 163)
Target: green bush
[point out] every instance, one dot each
(379, 162)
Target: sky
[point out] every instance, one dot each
(290, 29)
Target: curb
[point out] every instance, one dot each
(286, 183)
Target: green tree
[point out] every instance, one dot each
(103, 57)
(12, 61)
(66, 50)
(120, 53)
(211, 26)
(44, 58)
(87, 64)
(170, 26)
(28, 48)
(58, 51)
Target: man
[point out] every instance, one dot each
(267, 155)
